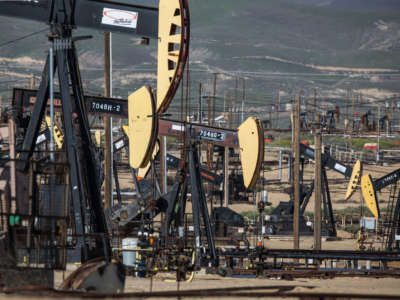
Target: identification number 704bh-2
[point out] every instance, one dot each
(211, 135)
(105, 107)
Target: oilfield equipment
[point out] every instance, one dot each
(52, 210)
(77, 221)
(142, 138)
(391, 221)
(281, 218)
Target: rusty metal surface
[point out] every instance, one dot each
(96, 275)
(218, 136)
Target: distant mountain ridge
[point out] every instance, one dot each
(273, 44)
(354, 5)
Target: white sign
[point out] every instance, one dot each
(40, 138)
(178, 127)
(121, 18)
(119, 144)
(397, 237)
(340, 168)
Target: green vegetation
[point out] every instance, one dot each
(250, 214)
(358, 143)
(355, 210)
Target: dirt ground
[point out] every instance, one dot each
(387, 286)
(367, 286)
(338, 285)
(337, 184)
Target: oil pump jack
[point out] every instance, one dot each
(166, 21)
(391, 223)
(281, 217)
(248, 138)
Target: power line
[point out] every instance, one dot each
(23, 37)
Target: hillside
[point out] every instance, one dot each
(290, 45)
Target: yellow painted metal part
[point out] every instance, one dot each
(58, 135)
(251, 144)
(143, 171)
(142, 126)
(170, 47)
(125, 128)
(354, 179)
(369, 195)
(97, 137)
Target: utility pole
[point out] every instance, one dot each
(51, 96)
(13, 173)
(314, 110)
(200, 107)
(352, 121)
(226, 176)
(360, 113)
(163, 163)
(209, 146)
(243, 99)
(279, 109)
(187, 93)
(270, 116)
(214, 96)
(346, 120)
(107, 124)
(379, 134)
(230, 111)
(182, 95)
(317, 190)
(296, 148)
(224, 111)
(32, 82)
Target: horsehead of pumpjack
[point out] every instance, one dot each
(145, 107)
(165, 20)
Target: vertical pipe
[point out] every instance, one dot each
(13, 176)
(280, 164)
(164, 170)
(107, 124)
(51, 74)
(317, 191)
(200, 119)
(296, 209)
(111, 129)
(226, 176)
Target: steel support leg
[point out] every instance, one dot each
(200, 205)
(36, 119)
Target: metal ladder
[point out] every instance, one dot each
(388, 220)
